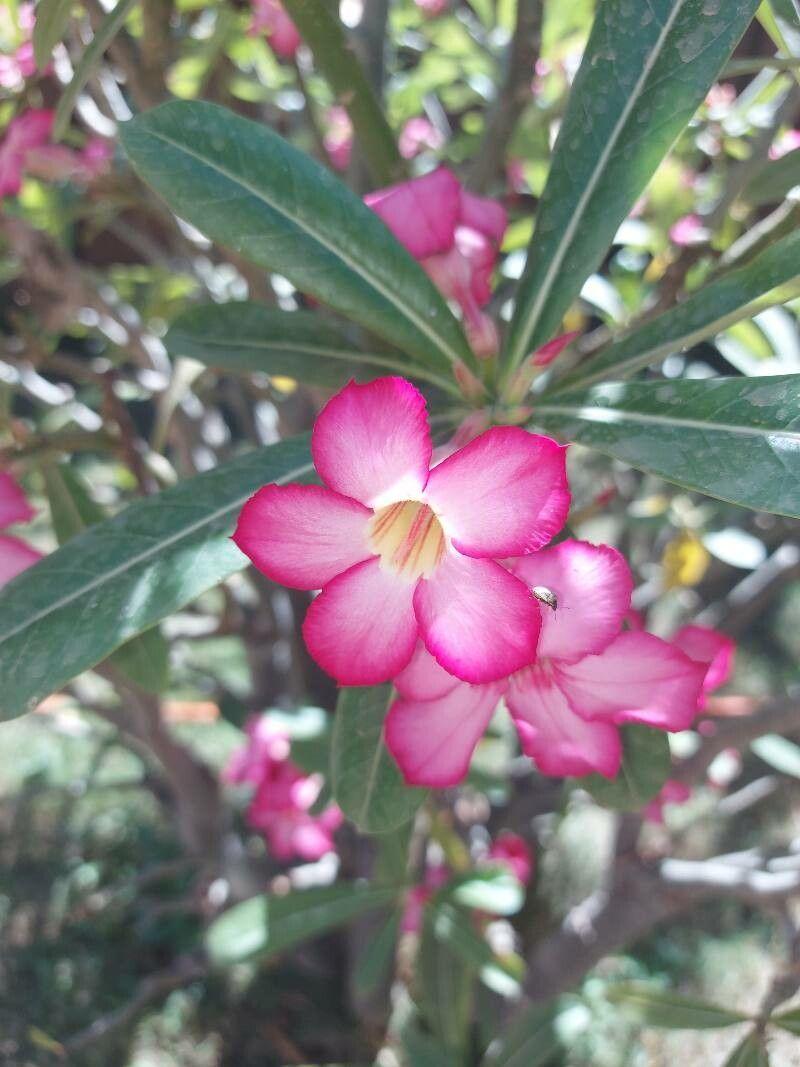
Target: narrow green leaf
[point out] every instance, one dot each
(103, 36)
(376, 960)
(493, 890)
(336, 58)
(770, 278)
(646, 69)
(367, 784)
(243, 185)
(788, 1020)
(423, 1050)
(752, 1052)
(454, 928)
(670, 1011)
(529, 1041)
(75, 607)
(737, 439)
(446, 990)
(266, 925)
(774, 180)
(143, 659)
(778, 752)
(243, 337)
(645, 767)
(52, 17)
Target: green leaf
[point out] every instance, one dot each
(143, 659)
(52, 17)
(529, 1041)
(788, 1020)
(446, 989)
(771, 184)
(646, 69)
(375, 962)
(778, 752)
(770, 278)
(266, 925)
(244, 186)
(75, 607)
(421, 1049)
(104, 34)
(367, 784)
(752, 1052)
(336, 58)
(494, 890)
(670, 1011)
(454, 928)
(737, 439)
(645, 767)
(243, 337)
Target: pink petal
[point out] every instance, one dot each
(311, 840)
(550, 351)
(479, 621)
(710, 647)
(372, 442)
(14, 506)
(433, 740)
(515, 853)
(560, 742)
(481, 255)
(484, 215)
(15, 557)
(593, 586)
(637, 678)
(503, 494)
(361, 629)
(423, 213)
(423, 678)
(303, 535)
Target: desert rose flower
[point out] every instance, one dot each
(689, 230)
(338, 139)
(284, 795)
(15, 555)
(24, 134)
(417, 134)
(586, 681)
(271, 20)
(714, 650)
(404, 552)
(512, 851)
(455, 236)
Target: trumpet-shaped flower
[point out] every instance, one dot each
(15, 555)
(455, 236)
(715, 650)
(284, 795)
(403, 551)
(567, 705)
(271, 20)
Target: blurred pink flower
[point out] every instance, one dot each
(26, 133)
(455, 236)
(432, 7)
(284, 795)
(787, 142)
(671, 793)
(15, 555)
(514, 852)
(689, 230)
(26, 149)
(417, 134)
(338, 137)
(271, 20)
(20, 64)
(720, 97)
(545, 355)
(515, 176)
(436, 876)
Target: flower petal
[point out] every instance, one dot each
(361, 629)
(433, 740)
(14, 506)
(710, 647)
(503, 494)
(372, 442)
(303, 535)
(560, 742)
(15, 557)
(479, 621)
(423, 678)
(637, 678)
(423, 213)
(486, 216)
(593, 587)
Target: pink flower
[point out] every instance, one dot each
(19, 65)
(24, 134)
(271, 20)
(671, 793)
(689, 230)
(545, 355)
(338, 138)
(432, 7)
(587, 679)
(402, 551)
(455, 236)
(15, 555)
(417, 134)
(284, 795)
(26, 149)
(712, 649)
(513, 851)
(436, 876)
(787, 142)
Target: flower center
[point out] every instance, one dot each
(408, 538)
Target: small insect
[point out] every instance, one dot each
(546, 596)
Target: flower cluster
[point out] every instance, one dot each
(436, 573)
(284, 795)
(15, 555)
(271, 21)
(27, 149)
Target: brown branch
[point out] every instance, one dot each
(512, 98)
